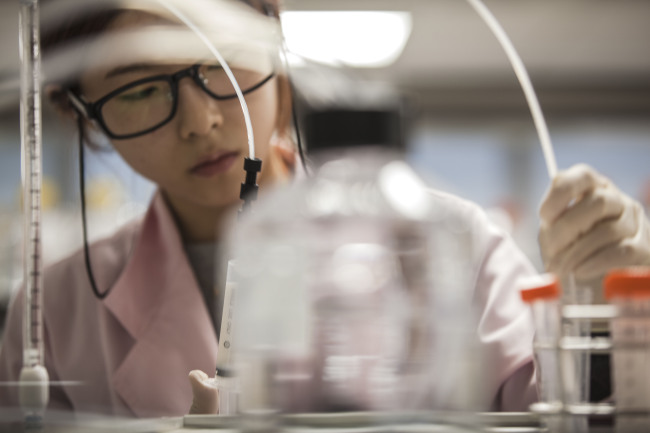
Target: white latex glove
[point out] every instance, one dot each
(205, 398)
(589, 227)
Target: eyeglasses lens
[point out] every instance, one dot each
(145, 106)
(138, 108)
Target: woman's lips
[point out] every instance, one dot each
(215, 164)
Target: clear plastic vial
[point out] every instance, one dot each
(575, 356)
(543, 296)
(560, 371)
(629, 291)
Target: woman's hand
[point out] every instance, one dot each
(205, 398)
(589, 227)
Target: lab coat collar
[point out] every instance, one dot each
(159, 303)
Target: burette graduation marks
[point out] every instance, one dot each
(30, 112)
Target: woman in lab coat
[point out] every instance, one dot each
(132, 347)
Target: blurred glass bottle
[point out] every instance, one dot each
(354, 289)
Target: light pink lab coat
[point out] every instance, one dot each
(133, 350)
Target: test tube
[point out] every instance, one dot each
(629, 291)
(225, 380)
(576, 362)
(543, 294)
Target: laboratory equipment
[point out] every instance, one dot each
(627, 318)
(355, 285)
(629, 291)
(543, 296)
(34, 388)
(576, 368)
(225, 379)
(561, 374)
(524, 80)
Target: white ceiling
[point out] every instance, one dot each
(560, 37)
(597, 45)
(581, 54)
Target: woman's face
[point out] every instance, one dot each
(196, 158)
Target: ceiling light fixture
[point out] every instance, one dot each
(370, 39)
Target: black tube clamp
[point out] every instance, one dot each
(248, 190)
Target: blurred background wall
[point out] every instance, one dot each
(470, 131)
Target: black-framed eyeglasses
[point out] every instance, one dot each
(147, 104)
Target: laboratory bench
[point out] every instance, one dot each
(352, 422)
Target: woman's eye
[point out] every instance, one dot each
(139, 94)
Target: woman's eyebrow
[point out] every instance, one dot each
(136, 67)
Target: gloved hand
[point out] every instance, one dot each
(589, 227)
(205, 396)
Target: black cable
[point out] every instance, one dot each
(82, 192)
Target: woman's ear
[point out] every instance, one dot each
(283, 150)
(59, 98)
(93, 135)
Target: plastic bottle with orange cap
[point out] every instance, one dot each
(562, 376)
(543, 296)
(629, 290)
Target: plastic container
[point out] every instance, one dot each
(355, 290)
(543, 296)
(629, 291)
(561, 374)
(576, 358)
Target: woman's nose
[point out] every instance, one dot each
(198, 113)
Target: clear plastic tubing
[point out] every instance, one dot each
(240, 96)
(30, 114)
(524, 81)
